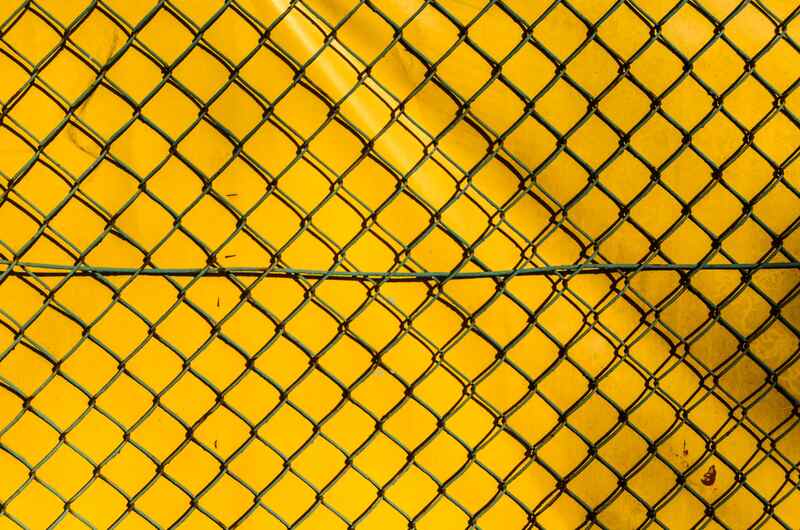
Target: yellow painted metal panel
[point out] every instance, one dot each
(399, 136)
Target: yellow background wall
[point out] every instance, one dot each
(125, 388)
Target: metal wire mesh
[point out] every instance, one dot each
(402, 264)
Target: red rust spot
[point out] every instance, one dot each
(710, 477)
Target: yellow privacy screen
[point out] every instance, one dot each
(399, 264)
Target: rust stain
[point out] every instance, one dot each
(710, 477)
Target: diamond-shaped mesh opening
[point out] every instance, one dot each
(432, 264)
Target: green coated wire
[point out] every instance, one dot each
(49, 269)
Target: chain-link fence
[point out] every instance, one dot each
(399, 264)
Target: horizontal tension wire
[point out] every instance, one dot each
(22, 269)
